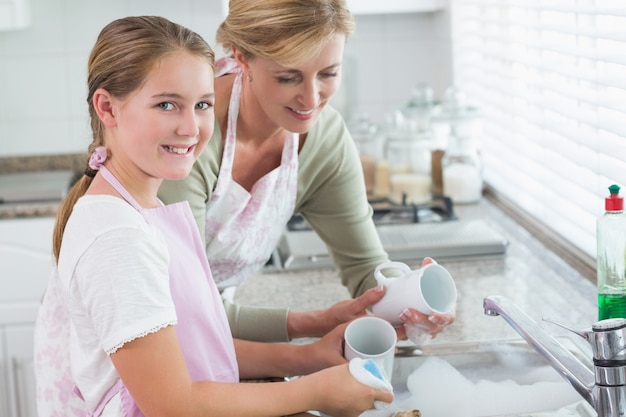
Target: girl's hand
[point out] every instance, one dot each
(342, 395)
(327, 351)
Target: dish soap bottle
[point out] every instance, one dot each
(611, 241)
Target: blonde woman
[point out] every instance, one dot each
(279, 148)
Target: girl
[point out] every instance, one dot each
(133, 294)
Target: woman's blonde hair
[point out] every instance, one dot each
(288, 32)
(125, 52)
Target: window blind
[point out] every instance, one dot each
(549, 77)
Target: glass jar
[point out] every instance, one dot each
(418, 110)
(369, 146)
(459, 128)
(409, 163)
(462, 171)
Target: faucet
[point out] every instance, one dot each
(605, 387)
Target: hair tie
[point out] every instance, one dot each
(97, 158)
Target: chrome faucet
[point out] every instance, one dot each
(605, 387)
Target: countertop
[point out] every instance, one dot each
(36, 209)
(529, 274)
(13, 165)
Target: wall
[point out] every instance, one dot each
(390, 54)
(43, 67)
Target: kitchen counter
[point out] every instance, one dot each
(32, 164)
(33, 209)
(529, 274)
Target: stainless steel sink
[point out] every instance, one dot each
(505, 377)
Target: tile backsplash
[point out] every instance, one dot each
(43, 67)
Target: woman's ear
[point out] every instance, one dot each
(242, 61)
(103, 104)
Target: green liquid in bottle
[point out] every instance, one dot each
(611, 306)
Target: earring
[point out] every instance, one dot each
(248, 78)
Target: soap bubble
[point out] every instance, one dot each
(440, 390)
(418, 334)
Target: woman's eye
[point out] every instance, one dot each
(329, 75)
(285, 80)
(166, 105)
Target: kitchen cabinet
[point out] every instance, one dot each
(14, 14)
(26, 260)
(395, 6)
(19, 373)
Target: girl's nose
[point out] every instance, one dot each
(188, 126)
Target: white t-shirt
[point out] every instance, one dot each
(113, 268)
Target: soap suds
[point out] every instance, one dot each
(440, 390)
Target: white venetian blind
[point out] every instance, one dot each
(550, 79)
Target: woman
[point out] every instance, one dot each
(133, 298)
(279, 148)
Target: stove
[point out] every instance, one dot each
(439, 209)
(408, 234)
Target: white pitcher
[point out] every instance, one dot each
(429, 289)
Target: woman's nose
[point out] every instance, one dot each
(310, 94)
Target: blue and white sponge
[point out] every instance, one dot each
(367, 372)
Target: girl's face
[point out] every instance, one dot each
(162, 127)
(293, 98)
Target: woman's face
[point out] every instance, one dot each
(293, 98)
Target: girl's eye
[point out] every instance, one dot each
(166, 105)
(204, 105)
(329, 75)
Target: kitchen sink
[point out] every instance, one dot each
(497, 378)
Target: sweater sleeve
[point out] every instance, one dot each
(333, 199)
(259, 324)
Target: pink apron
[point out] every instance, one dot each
(243, 228)
(54, 382)
(202, 329)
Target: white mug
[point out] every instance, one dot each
(429, 289)
(371, 337)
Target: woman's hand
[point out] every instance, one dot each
(317, 323)
(420, 328)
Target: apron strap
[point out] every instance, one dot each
(110, 178)
(115, 389)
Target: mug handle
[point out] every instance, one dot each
(381, 278)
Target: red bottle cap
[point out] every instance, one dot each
(614, 202)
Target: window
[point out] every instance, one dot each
(550, 79)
